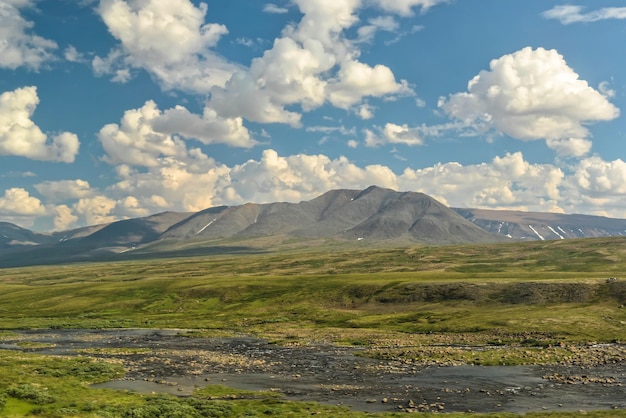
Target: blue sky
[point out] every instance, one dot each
(113, 109)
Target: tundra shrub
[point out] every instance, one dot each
(30, 393)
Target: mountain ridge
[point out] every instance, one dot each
(371, 215)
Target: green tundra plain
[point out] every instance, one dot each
(536, 302)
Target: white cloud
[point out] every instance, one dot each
(506, 182)
(532, 94)
(356, 80)
(207, 128)
(606, 90)
(331, 129)
(286, 74)
(601, 178)
(72, 55)
(95, 210)
(573, 147)
(311, 64)
(597, 187)
(244, 41)
(18, 46)
(568, 14)
(63, 218)
(299, 177)
(168, 39)
(272, 8)
(406, 7)
(172, 185)
(365, 111)
(20, 136)
(61, 190)
(146, 135)
(135, 142)
(18, 202)
(393, 134)
(367, 32)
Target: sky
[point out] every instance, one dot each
(117, 109)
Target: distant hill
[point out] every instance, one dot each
(14, 236)
(530, 226)
(374, 216)
(370, 214)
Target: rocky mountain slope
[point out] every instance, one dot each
(530, 226)
(370, 214)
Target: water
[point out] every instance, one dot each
(170, 363)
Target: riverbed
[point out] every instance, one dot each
(171, 361)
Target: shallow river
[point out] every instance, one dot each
(164, 361)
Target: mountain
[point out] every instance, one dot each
(132, 232)
(543, 226)
(372, 215)
(12, 236)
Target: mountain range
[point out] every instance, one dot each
(374, 216)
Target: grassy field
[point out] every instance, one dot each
(541, 300)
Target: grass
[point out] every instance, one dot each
(455, 289)
(535, 302)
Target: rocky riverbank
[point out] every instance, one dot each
(588, 377)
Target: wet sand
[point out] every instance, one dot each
(165, 361)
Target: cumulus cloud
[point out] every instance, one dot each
(61, 190)
(95, 210)
(63, 218)
(596, 187)
(597, 177)
(532, 94)
(393, 134)
(172, 185)
(207, 128)
(573, 147)
(146, 135)
(356, 80)
(505, 182)
(135, 142)
(169, 39)
(567, 14)
(18, 202)
(298, 177)
(313, 63)
(18, 46)
(20, 136)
